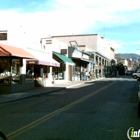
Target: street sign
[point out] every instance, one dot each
(3, 36)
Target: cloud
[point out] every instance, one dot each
(67, 17)
(116, 44)
(136, 42)
(75, 16)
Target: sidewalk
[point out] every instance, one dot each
(5, 98)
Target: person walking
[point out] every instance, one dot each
(86, 75)
(117, 74)
(90, 74)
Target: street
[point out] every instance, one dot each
(99, 110)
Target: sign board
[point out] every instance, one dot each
(48, 41)
(3, 36)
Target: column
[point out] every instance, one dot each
(66, 72)
(98, 59)
(94, 69)
(103, 67)
(23, 71)
(49, 76)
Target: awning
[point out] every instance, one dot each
(42, 58)
(6, 50)
(64, 58)
(51, 62)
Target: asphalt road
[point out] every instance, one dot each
(101, 110)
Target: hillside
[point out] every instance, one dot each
(127, 56)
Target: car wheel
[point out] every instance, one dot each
(135, 77)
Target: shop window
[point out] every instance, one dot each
(5, 71)
(59, 72)
(9, 71)
(30, 72)
(15, 71)
(41, 73)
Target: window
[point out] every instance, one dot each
(5, 71)
(29, 72)
(59, 72)
(15, 72)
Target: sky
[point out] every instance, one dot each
(116, 20)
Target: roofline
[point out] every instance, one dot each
(74, 35)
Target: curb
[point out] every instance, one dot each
(50, 91)
(34, 95)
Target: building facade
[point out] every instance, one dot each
(57, 59)
(89, 51)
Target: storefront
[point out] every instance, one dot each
(41, 68)
(12, 69)
(83, 63)
(64, 72)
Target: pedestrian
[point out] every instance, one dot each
(117, 74)
(86, 75)
(83, 74)
(90, 74)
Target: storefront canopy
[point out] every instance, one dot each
(42, 58)
(50, 62)
(6, 50)
(64, 58)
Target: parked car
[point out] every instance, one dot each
(136, 75)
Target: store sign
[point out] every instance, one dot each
(31, 62)
(3, 36)
(48, 41)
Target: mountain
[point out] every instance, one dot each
(127, 56)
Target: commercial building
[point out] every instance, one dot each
(57, 59)
(89, 52)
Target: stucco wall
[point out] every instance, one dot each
(112, 53)
(89, 40)
(103, 47)
(92, 42)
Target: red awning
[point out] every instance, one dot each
(6, 50)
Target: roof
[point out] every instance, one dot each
(74, 35)
(6, 50)
(64, 58)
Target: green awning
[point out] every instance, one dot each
(64, 58)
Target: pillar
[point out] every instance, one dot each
(50, 79)
(23, 71)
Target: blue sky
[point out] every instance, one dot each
(118, 21)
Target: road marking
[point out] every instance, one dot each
(37, 122)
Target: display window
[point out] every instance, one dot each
(29, 72)
(5, 77)
(15, 71)
(10, 71)
(59, 72)
(41, 73)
